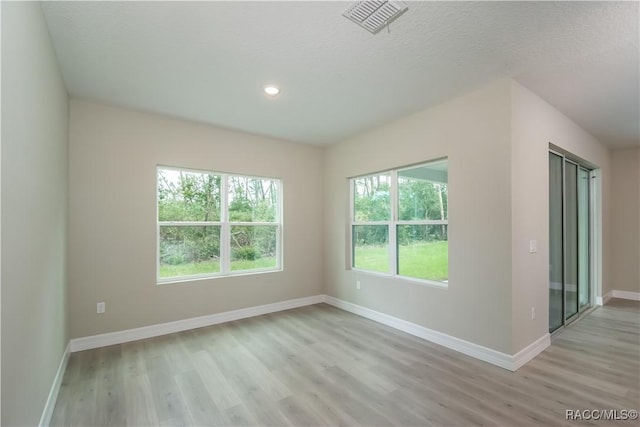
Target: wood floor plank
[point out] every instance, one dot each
(110, 383)
(376, 402)
(200, 407)
(76, 405)
(319, 365)
(244, 373)
(140, 409)
(221, 393)
(240, 416)
(170, 408)
(298, 413)
(263, 408)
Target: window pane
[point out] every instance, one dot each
(188, 196)
(423, 252)
(189, 250)
(371, 198)
(422, 193)
(252, 199)
(371, 247)
(253, 246)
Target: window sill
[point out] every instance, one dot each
(405, 279)
(183, 279)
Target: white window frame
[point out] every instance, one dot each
(392, 224)
(225, 229)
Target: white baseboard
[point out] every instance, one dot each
(600, 301)
(477, 351)
(102, 340)
(503, 360)
(47, 413)
(634, 296)
(530, 351)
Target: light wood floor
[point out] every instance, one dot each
(319, 365)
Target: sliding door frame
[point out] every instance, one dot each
(590, 238)
(593, 237)
(565, 243)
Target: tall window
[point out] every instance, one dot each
(215, 224)
(399, 222)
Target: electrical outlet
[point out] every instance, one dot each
(533, 313)
(358, 284)
(101, 307)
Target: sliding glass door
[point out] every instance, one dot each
(556, 251)
(569, 237)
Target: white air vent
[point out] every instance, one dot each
(373, 15)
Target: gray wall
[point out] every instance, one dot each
(535, 124)
(497, 141)
(34, 214)
(112, 229)
(625, 248)
(473, 132)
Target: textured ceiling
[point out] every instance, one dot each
(208, 61)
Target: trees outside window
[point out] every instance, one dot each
(215, 224)
(399, 222)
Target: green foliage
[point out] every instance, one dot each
(253, 240)
(252, 199)
(370, 234)
(245, 252)
(185, 196)
(188, 196)
(185, 244)
(408, 234)
(418, 199)
(371, 198)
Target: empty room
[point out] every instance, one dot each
(290, 213)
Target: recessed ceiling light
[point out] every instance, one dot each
(271, 90)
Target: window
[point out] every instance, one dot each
(399, 222)
(216, 224)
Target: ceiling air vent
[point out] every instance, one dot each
(373, 15)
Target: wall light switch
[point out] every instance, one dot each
(100, 307)
(533, 246)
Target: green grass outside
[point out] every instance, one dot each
(370, 257)
(428, 260)
(422, 260)
(207, 267)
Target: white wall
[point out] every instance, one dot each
(536, 124)
(473, 132)
(625, 207)
(112, 231)
(34, 214)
